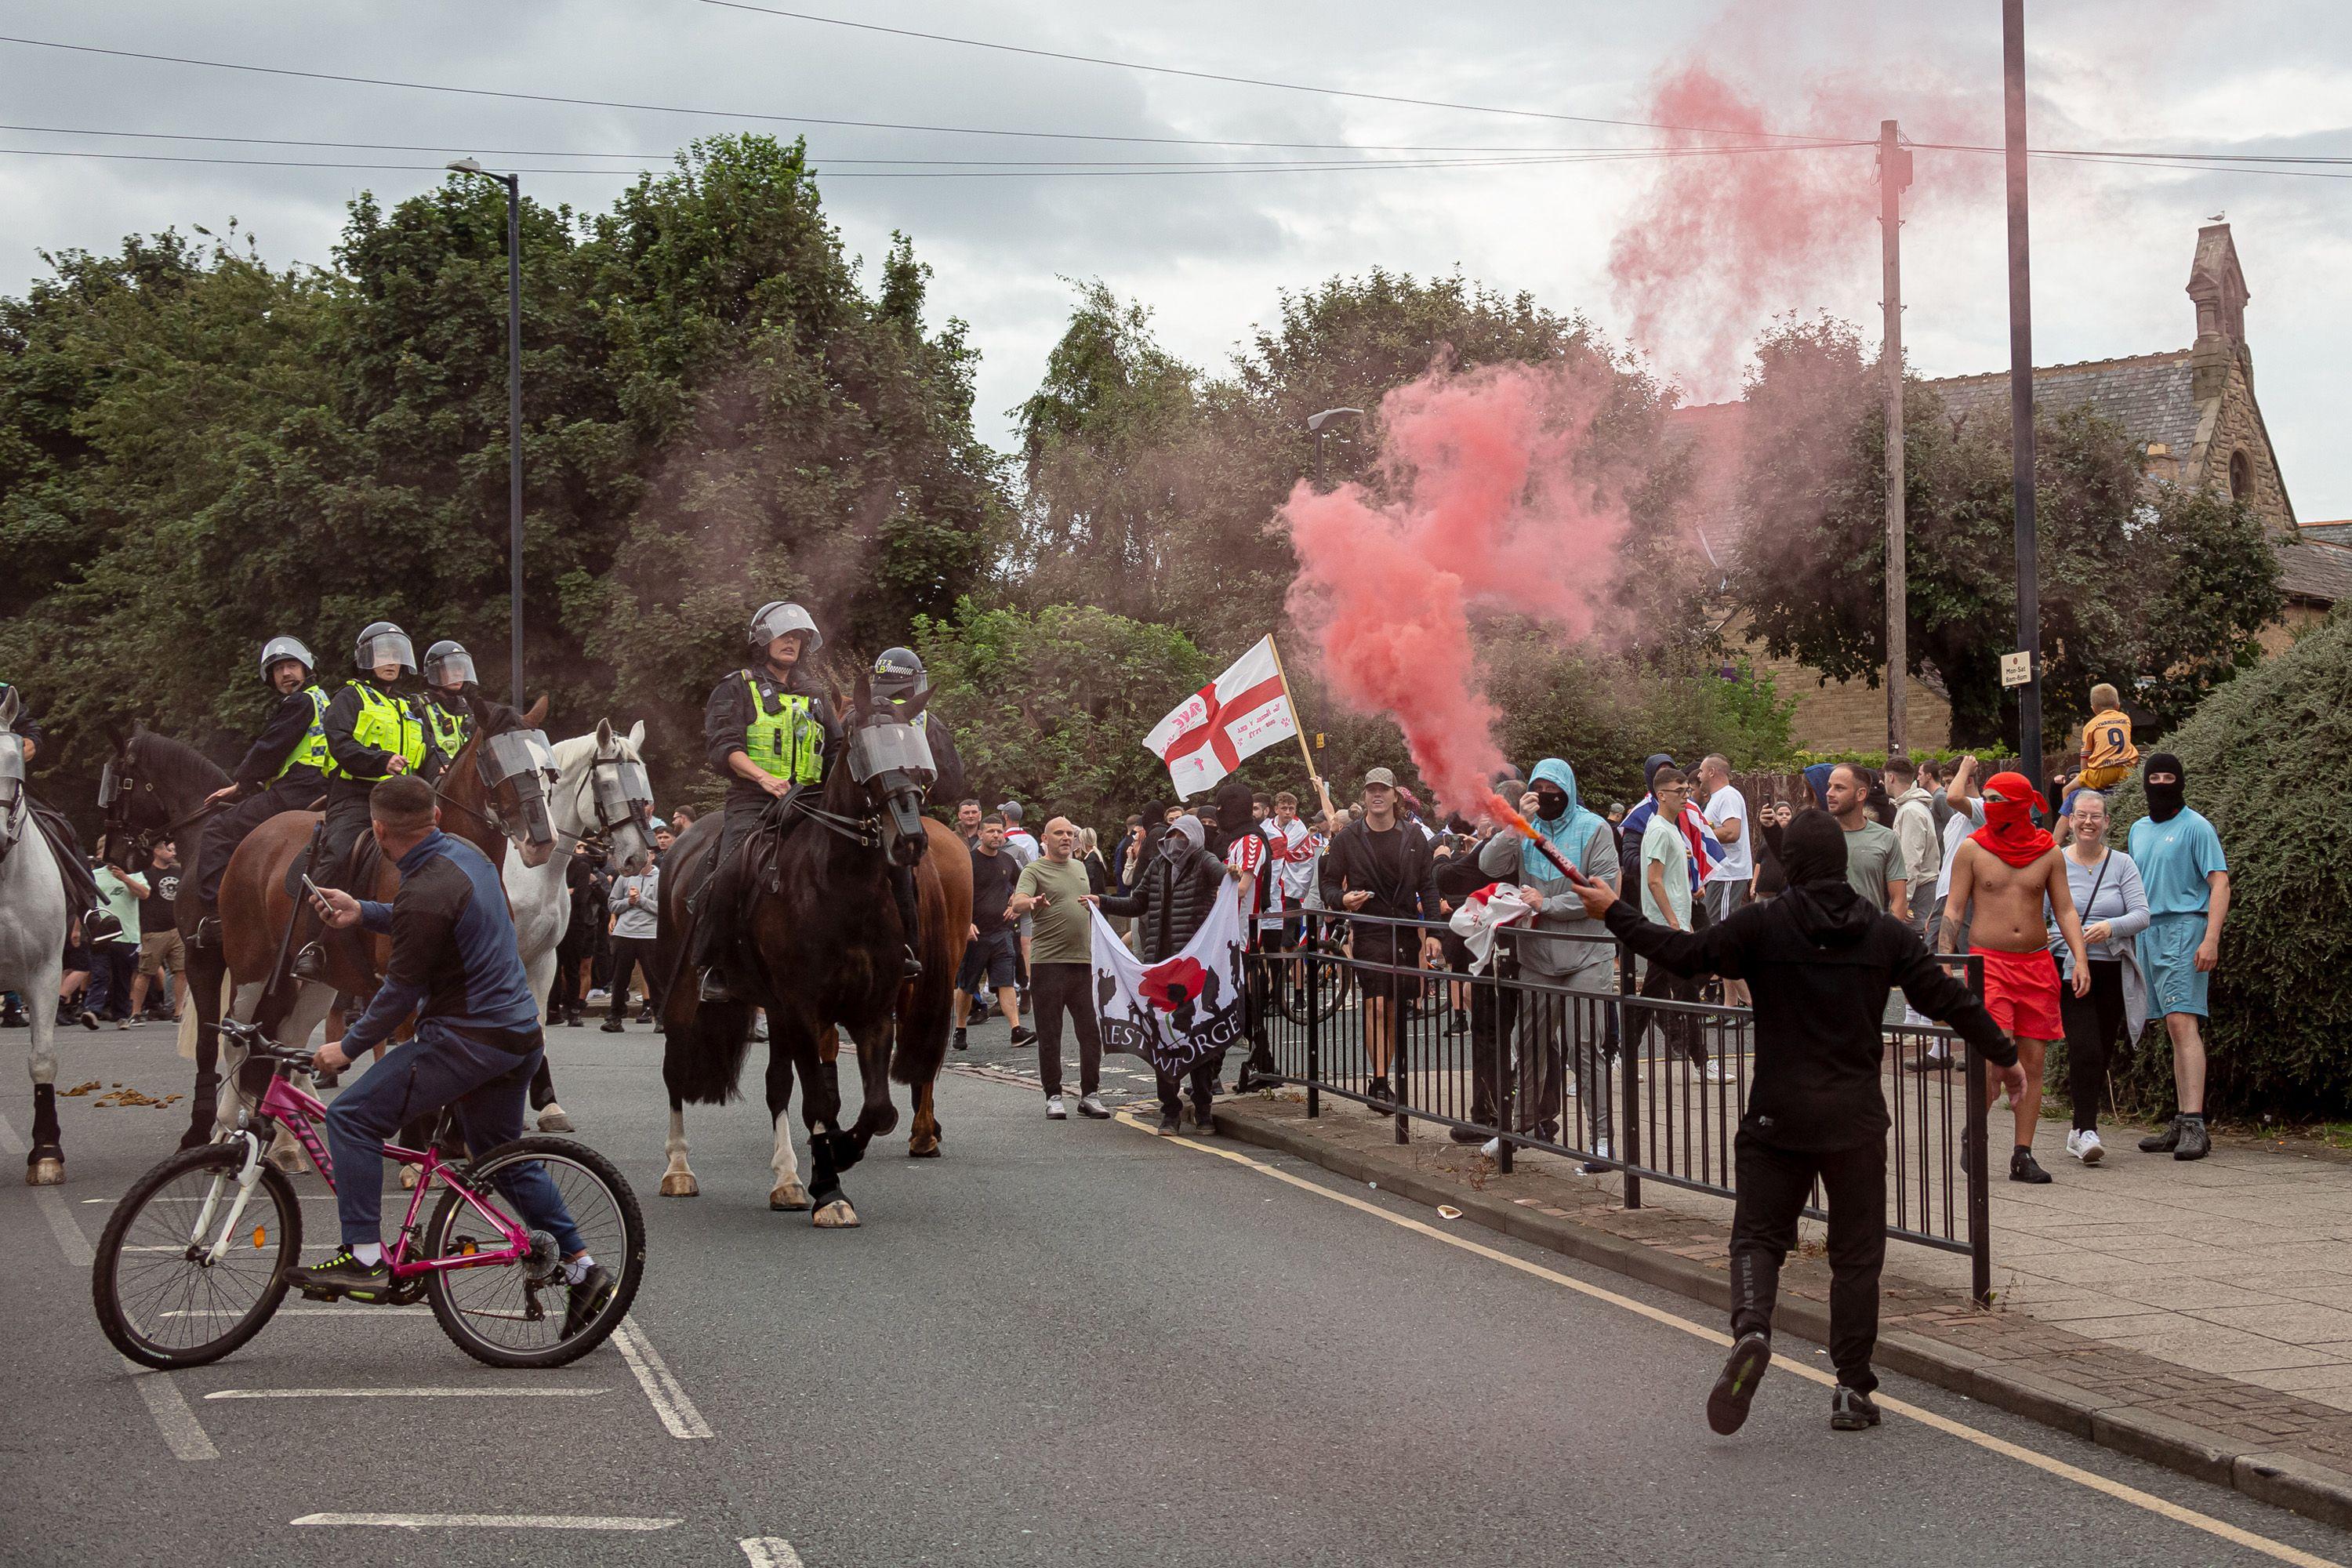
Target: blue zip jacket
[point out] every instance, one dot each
(454, 956)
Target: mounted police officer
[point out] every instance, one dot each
(899, 680)
(283, 769)
(767, 730)
(374, 731)
(453, 704)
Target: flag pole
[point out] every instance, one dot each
(1298, 726)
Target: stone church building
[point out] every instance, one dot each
(2194, 414)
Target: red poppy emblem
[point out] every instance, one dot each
(1169, 985)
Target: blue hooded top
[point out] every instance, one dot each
(1569, 835)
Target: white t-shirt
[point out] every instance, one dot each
(1663, 844)
(1738, 862)
(1956, 833)
(1022, 844)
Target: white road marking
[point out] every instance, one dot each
(769, 1552)
(406, 1393)
(2162, 1507)
(488, 1521)
(183, 1434)
(662, 1388)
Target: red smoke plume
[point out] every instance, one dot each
(1479, 506)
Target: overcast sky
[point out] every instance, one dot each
(1209, 252)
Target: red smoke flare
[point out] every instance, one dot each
(1479, 505)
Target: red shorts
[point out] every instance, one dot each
(2020, 992)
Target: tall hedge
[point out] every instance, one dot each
(2264, 761)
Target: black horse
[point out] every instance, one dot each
(821, 945)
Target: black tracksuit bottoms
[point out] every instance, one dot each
(1773, 1184)
(1054, 989)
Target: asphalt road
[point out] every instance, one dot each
(1064, 1342)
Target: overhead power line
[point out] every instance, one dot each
(764, 118)
(1250, 80)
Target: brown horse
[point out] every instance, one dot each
(255, 907)
(822, 940)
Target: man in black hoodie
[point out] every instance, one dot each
(1819, 961)
(1172, 898)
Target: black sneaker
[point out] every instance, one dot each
(2195, 1143)
(609, 1026)
(2163, 1142)
(344, 1275)
(2024, 1167)
(1735, 1387)
(1377, 1091)
(1929, 1062)
(587, 1299)
(88, 1019)
(1459, 1024)
(1851, 1410)
(1204, 1118)
(1171, 1124)
(959, 1042)
(1466, 1135)
(1021, 1035)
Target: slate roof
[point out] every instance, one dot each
(2332, 532)
(2313, 569)
(2147, 395)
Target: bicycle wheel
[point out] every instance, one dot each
(1316, 986)
(514, 1314)
(160, 1300)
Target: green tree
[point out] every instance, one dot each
(2137, 578)
(1051, 708)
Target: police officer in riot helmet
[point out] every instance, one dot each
(767, 730)
(283, 770)
(898, 680)
(373, 730)
(453, 702)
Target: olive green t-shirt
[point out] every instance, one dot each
(1061, 932)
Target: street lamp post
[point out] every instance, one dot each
(1316, 423)
(513, 182)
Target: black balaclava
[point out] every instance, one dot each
(1234, 816)
(1551, 801)
(1651, 763)
(2164, 800)
(1812, 850)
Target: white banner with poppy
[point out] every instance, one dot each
(1180, 1011)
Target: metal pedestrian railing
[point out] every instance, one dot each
(1646, 1081)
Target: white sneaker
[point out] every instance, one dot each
(1711, 1072)
(1054, 1111)
(1491, 1147)
(2086, 1147)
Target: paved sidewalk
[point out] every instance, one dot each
(2185, 1313)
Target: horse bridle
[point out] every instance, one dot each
(122, 780)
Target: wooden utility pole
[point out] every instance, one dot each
(1894, 177)
(2020, 389)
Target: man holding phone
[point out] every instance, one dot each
(456, 966)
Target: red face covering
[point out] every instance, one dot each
(2008, 831)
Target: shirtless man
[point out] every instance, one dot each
(2009, 868)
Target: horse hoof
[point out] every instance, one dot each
(50, 1172)
(928, 1150)
(837, 1215)
(681, 1184)
(789, 1195)
(552, 1119)
(408, 1178)
(292, 1163)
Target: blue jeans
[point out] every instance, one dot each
(438, 1067)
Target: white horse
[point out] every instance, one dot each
(600, 792)
(32, 923)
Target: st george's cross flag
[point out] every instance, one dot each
(1237, 715)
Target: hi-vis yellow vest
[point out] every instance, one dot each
(787, 743)
(310, 752)
(450, 725)
(386, 723)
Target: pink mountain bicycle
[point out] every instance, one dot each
(194, 1259)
